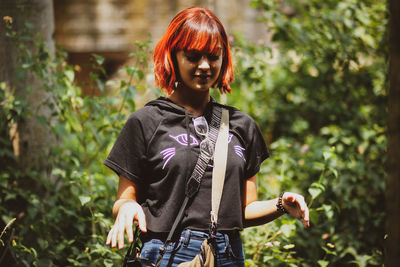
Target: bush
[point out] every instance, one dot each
(63, 221)
(318, 92)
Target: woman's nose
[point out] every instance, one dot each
(204, 64)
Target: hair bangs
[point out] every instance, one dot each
(204, 37)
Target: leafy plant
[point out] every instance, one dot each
(318, 91)
(63, 220)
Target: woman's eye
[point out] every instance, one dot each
(193, 58)
(213, 57)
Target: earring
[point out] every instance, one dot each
(176, 84)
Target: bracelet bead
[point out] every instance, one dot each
(279, 205)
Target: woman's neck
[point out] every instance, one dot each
(194, 102)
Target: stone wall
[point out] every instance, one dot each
(113, 25)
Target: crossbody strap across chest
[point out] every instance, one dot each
(218, 134)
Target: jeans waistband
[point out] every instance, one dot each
(187, 233)
(223, 238)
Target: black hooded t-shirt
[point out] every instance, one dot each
(153, 150)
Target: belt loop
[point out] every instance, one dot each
(186, 237)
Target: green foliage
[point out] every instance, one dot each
(317, 91)
(64, 220)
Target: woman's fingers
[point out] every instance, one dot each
(141, 218)
(297, 206)
(305, 215)
(306, 220)
(109, 236)
(128, 213)
(121, 231)
(114, 236)
(128, 228)
(302, 204)
(291, 198)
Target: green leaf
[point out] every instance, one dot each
(130, 70)
(323, 263)
(29, 25)
(362, 260)
(267, 258)
(314, 216)
(288, 229)
(108, 263)
(99, 59)
(328, 251)
(334, 171)
(43, 243)
(329, 212)
(140, 74)
(84, 200)
(70, 75)
(10, 222)
(3, 181)
(289, 246)
(316, 189)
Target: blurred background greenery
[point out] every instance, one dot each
(316, 85)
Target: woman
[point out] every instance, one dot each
(158, 148)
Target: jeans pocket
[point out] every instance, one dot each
(151, 249)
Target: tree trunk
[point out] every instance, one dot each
(392, 257)
(31, 139)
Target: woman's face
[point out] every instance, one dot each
(198, 70)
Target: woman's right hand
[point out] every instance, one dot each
(129, 210)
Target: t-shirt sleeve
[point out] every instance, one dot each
(127, 154)
(257, 150)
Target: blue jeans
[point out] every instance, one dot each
(229, 252)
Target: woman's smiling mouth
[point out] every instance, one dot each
(202, 76)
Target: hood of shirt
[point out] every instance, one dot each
(168, 105)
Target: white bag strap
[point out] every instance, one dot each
(220, 159)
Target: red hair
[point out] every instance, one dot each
(195, 28)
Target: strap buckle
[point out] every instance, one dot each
(213, 225)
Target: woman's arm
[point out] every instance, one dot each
(261, 212)
(126, 210)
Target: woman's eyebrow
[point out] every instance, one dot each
(218, 50)
(193, 51)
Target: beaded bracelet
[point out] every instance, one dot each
(279, 205)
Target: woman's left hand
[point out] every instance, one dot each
(297, 207)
